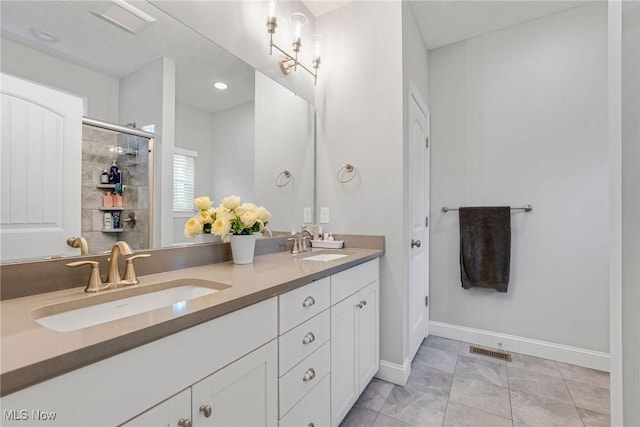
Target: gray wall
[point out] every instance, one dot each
(233, 153)
(99, 91)
(281, 147)
(631, 212)
(359, 105)
(519, 116)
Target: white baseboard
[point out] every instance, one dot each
(547, 350)
(394, 373)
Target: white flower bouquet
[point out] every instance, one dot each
(230, 217)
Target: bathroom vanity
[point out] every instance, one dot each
(286, 341)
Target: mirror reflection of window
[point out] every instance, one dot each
(184, 173)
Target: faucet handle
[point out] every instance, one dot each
(95, 281)
(130, 277)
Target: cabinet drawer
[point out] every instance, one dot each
(350, 281)
(296, 383)
(303, 340)
(303, 303)
(312, 411)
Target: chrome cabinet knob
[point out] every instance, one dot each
(309, 375)
(308, 338)
(416, 243)
(184, 422)
(308, 302)
(206, 410)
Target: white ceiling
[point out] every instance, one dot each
(320, 7)
(443, 22)
(90, 41)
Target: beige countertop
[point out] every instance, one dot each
(31, 353)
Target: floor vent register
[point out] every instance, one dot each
(490, 353)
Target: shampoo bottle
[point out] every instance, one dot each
(104, 178)
(114, 173)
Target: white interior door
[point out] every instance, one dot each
(41, 169)
(419, 205)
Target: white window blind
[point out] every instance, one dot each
(184, 172)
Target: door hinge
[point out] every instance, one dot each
(426, 221)
(426, 301)
(426, 142)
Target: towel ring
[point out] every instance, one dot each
(346, 169)
(283, 178)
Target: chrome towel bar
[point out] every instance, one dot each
(526, 208)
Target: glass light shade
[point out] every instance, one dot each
(272, 8)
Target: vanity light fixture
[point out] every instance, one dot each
(220, 85)
(288, 61)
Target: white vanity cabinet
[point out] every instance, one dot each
(355, 354)
(304, 355)
(175, 411)
(241, 394)
(236, 348)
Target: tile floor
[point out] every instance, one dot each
(449, 386)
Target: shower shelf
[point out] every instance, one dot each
(113, 230)
(119, 208)
(110, 186)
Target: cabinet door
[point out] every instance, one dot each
(169, 413)
(344, 354)
(242, 394)
(368, 334)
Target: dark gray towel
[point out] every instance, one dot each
(485, 247)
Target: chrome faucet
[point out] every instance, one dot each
(113, 276)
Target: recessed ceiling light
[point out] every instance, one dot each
(45, 35)
(220, 85)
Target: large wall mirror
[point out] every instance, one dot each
(144, 68)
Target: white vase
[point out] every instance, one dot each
(242, 248)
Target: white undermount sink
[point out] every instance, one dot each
(324, 257)
(63, 318)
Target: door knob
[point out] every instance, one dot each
(184, 422)
(417, 243)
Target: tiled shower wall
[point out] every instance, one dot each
(98, 150)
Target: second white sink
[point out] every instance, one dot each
(324, 257)
(92, 315)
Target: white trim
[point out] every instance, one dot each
(183, 213)
(547, 350)
(185, 152)
(614, 39)
(394, 373)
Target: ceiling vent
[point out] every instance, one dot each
(122, 14)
